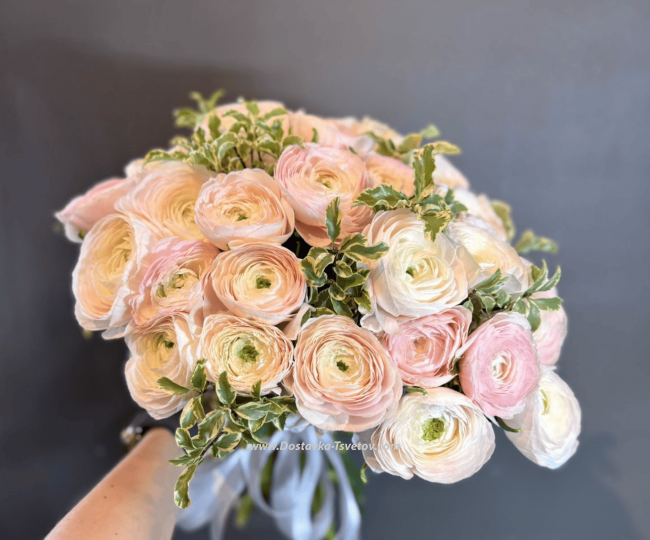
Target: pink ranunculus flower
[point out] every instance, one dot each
(343, 379)
(108, 258)
(389, 171)
(549, 336)
(241, 207)
(260, 282)
(329, 134)
(82, 212)
(170, 279)
(425, 348)
(499, 365)
(313, 176)
(163, 201)
(166, 349)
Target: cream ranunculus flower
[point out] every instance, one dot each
(480, 207)
(248, 351)
(343, 379)
(416, 277)
(425, 348)
(169, 279)
(241, 207)
(550, 423)
(446, 173)
(163, 202)
(441, 437)
(261, 282)
(166, 349)
(82, 212)
(389, 171)
(492, 253)
(551, 332)
(313, 176)
(99, 282)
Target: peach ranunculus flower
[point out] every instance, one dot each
(416, 277)
(163, 201)
(313, 176)
(447, 174)
(108, 258)
(248, 351)
(425, 348)
(343, 379)
(441, 437)
(491, 253)
(243, 206)
(354, 127)
(499, 365)
(549, 424)
(389, 171)
(551, 332)
(170, 279)
(329, 134)
(261, 282)
(82, 212)
(167, 349)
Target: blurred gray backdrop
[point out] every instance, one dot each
(550, 104)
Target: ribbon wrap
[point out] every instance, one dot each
(218, 485)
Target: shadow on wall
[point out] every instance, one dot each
(70, 119)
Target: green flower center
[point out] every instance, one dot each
(248, 353)
(342, 366)
(433, 429)
(262, 283)
(410, 271)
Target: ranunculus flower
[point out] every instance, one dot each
(163, 202)
(241, 207)
(416, 277)
(550, 423)
(425, 348)
(499, 367)
(82, 212)
(169, 279)
(551, 332)
(311, 177)
(492, 253)
(303, 125)
(343, 379)
(248, 351)
(167, 349)
(261, 282)
(390, 171)
(479, 206)
(445, 173)
(107, 259)
(441, 436)
(353, 127)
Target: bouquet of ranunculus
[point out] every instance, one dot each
(279, 277)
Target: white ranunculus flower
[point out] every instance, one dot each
(550, 423)
(480, 207)
(416, 277)
(108, 258)
(492, 253)
(165, 350)
(163, 202)
(440, 437)
(248, 351)
(241, 207)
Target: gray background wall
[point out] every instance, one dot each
(549, 101)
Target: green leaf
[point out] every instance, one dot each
(184, 439)
(341, 308)
(197, 409)
(503, 210)
(252, 107)
(435, 222)
(181, 495)
(291, 140)
(430, 132)
(170, 387)
(188, 418)
(200, 377)
(551, 282)
(520, 306)
(547, 304)
(225, 392)
(444, 147)
(383, 197)
(355, 280)
(279, 111)
(253, 410)
(256, 390)
(184, 460)
(314, 278)
(506, 426)
(343, 270)
(530, 242)
(336, 293)
(363, 475)
(244, 510)
(364, 254)
(364, 302)
(211, 425)
(410, 142)
(228, 442)
(533, 316)
(424, 166)
(493, 283)
(415, 390)
(333, 219)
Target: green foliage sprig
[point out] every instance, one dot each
(406, 149)
(217, 420)
(253, 140)
(488, 297)
(436, 211)
(335, 279)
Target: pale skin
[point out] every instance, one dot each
(133, 502)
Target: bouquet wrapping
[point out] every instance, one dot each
(284, 282)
